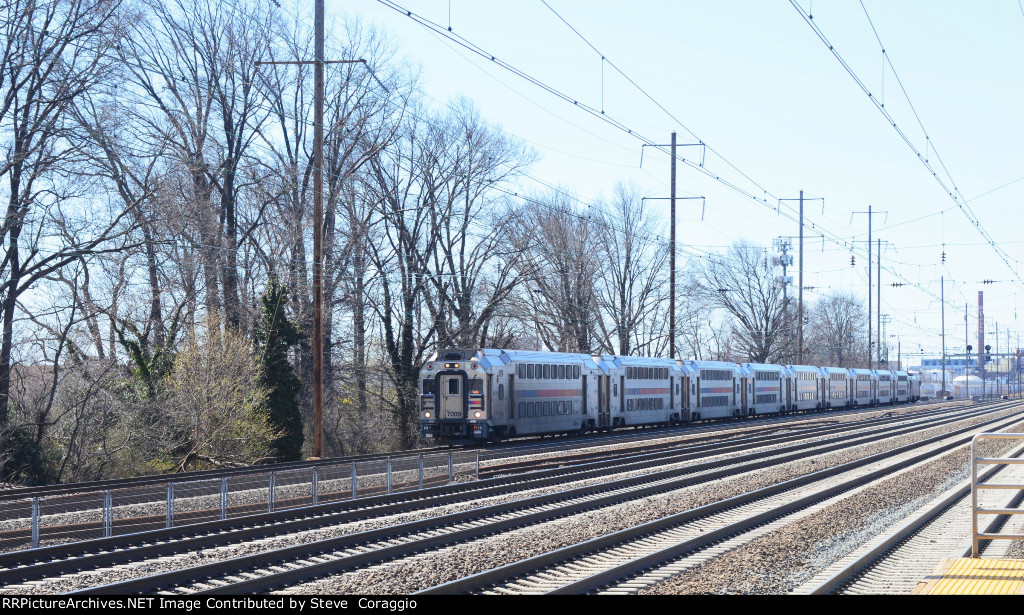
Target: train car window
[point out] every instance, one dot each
(522, 370)
(476, 386)
(629, 405)
(522, 409)
(576, 371)
(629, 373)
(453, 386)
(428, 386)
(547, 371)
(529, 409)
(568, 407)
(615, 389)
(529, 370)
(561, 407)
(561, 372)
(547, 408)
(501, 391)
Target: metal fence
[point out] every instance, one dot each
(976, 510)
(41, 521)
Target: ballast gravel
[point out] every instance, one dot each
(436, 567)
(783, 559)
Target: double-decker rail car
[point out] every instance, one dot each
(902, 382)
(886, 387)
(714, 389)
(864, 385)
(651, 390)
(808, 388)
(914, 384)
(478, 395)
(840, 387)
(764, 388)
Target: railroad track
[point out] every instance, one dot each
(55, 560)
(897, 560)
(288, 565)
(72, 531)
(639, 557)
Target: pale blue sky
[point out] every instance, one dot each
(754, 82)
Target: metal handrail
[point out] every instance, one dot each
(976, 535)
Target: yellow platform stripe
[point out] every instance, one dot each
(969, 576)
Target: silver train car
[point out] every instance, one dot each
(479, 395)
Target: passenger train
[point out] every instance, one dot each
(490, 395)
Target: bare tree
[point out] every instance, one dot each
(837, 326)
(474, 266)
(561, 263)
(631, 287)
(53, 52)
(742, 283)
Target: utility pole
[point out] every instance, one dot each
(879, 330)
(967, 354)
(672, 239)
(318, 230)
(942, 286)
(800, 289)
(869, 213)
(883, 350)
(672, 262)
(981, 341)
(800, 304)
(318, 217)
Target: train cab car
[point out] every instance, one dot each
(863, 387)
(901, 382)
(807, 390)
(714, 389)
(647, 391)
(914, 385)
(839, 391)
(886, 389)
(763, 386)
(488, 395)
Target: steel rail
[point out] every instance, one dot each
(419, 499)
(629, 568)
(282, 557)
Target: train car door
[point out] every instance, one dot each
(743, 394)
(488, 400)
(685, 401)
(789, 393)
(452, 396)
(584, 412)
(622, 394)
(511, 397)
(604, 411)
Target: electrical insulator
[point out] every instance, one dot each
(853, 260)
(943, 256)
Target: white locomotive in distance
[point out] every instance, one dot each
(491, 395)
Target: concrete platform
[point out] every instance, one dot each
(969, 577)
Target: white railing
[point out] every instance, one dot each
(977, 535)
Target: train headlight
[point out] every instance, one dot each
(477, 415)
(426, 414)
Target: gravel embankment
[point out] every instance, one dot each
(782, 560)
(427, 570)
(438, 567)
